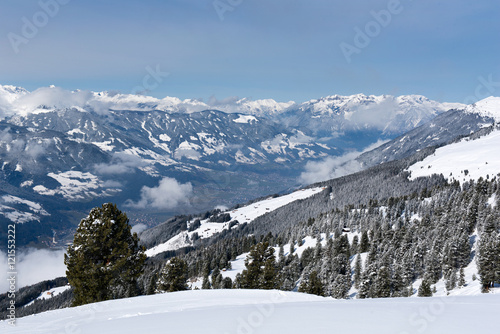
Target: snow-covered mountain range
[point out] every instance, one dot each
(18, 101)
(70, 150)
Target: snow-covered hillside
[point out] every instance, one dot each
(489, 107)
(463, 161)
(245, 214)
(468, 159)
(254, 311)
(50, 293)
(31, 210)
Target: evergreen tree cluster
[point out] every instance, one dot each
(174, 276)
(260, 272)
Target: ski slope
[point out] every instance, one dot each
(254, 311)
(242, 215)
(463, 161)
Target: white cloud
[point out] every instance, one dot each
(138, 228)
(51, 97)
(33, 266)
(168, 195)
(188, 153)
(121, 163)
(333, 167)
(376, 115)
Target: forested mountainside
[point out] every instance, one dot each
(378, 182)
(381, 247)
(427, 236)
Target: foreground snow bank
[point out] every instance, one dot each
(251, 311)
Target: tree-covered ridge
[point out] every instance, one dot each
(429, 235)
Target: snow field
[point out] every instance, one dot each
(463, 161)
(17, 216)
(256, 311)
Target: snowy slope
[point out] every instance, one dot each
(489, 107)
(244, 214)
(31, 210)
(50, 293)
(463, 161)
(253, 311)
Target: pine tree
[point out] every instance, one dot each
(216, 278)
(313, 285)
(105, 258)
(364, 245)
(488, 261)
(461, 279)
(269, 280)
(341, 287)
(206, 283)
(226, 283)
(260, 272)
(451, 280)
(357, 272)
(281, 253)
(383, 283)
(174, 276)
(355, 245)
(364, 286)
(152, 285)
(425, 289)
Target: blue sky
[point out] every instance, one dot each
(281, 49)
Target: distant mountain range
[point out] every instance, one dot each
(459, 145)
(68, 151)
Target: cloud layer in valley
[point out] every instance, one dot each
(333, 167)
(167, 195)
(33, 266)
